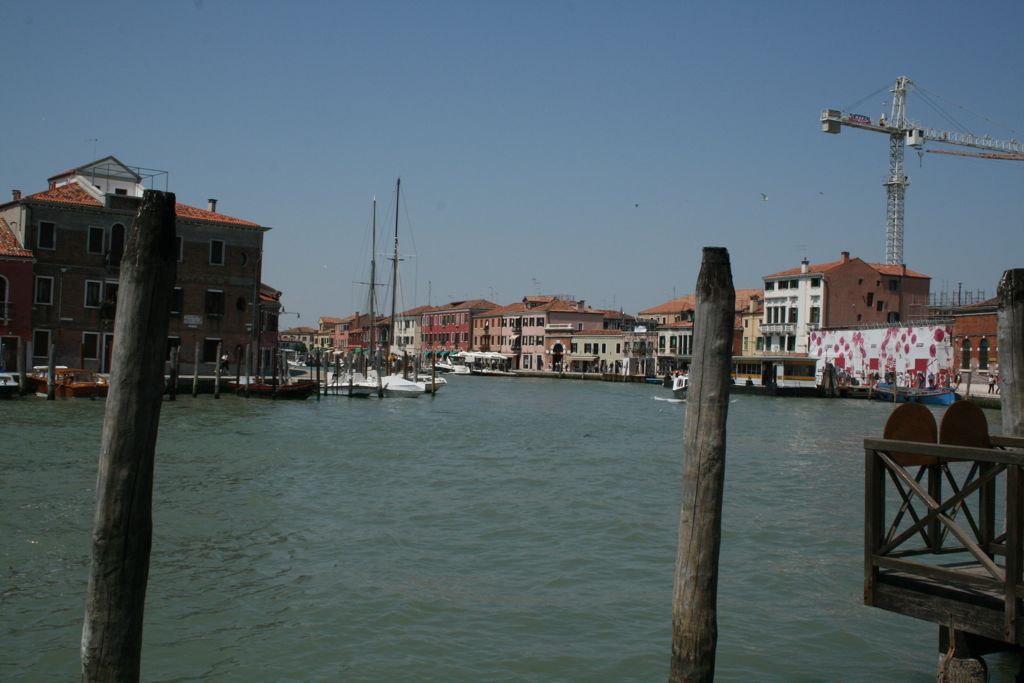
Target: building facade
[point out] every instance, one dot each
(76, 231)
(16, 293)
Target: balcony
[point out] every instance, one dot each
(779, 328)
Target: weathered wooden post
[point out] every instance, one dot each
(51, 373)
(694, 597)
(216, 373)
(1011, 350)
(195, 372)
(20, 363)
(317, 361)
(248, 377)
(123, 524)
(25, 385)
(174, 374)
(238, 364)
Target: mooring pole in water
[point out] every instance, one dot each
(123, 524)
(195, 372)
(694, 597)
(1011, 350)
(20, 364)
(248, 376)
(173, 388)
(238, 364)
(51, 374)
(216, 373)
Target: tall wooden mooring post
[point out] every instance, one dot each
(695, 595)
(123, 523)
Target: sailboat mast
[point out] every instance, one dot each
(373, 277)
(394, 264)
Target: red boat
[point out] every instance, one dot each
(70, 383)
(299, 389)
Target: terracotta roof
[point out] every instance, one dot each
(689, 302)
(518, 307)
(71, 193)
(330, 320)
(193, 213)
(419, 310)
(479, 304)
(889, 269)
(9, 243)
(300, 330)
(563, 306)
(811, 268)
(677, 325)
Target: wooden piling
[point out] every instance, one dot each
(195, 372)
(1011, 350)
(238, 364)
(26, 386)
(173, 388)
(317, 361)
(123, 523)
(248, 377)
(694, 597)
(51, 373)
(20, 364)
(216, 373)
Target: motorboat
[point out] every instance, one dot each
(69, 382)
(9, 384)
(680, 383)
(939, 396)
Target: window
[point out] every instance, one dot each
(572, 348)
(965, 355)
(769, 286)
(791, 343)
(116, 250)
(93, 293)
(210, 349)
(894, 285)
(109, 306)
(871, 298)
(91, 345)
(793, 315)
(983, 355)
(177, 300)
(815, 282)
(893, 317)
(95, 242)
(4, 313)
(604, 348)
(216, 252)
(47, 236)
(40, 343)
(618, 347)
(44, 289)
(783, 284)
(760, 343)
(878, 305)
(215, 303)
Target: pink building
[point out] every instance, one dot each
(547, 330)
(448, 327)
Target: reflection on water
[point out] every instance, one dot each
(505, 530)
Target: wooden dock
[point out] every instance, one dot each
(943, 529)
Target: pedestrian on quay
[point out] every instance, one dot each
(991, 383)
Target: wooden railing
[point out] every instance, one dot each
(956, 524)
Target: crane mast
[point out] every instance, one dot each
(902, 132)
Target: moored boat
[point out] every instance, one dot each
(680, 383)
(9, 384)
(938, 396)
(299, 389)
(70, 382)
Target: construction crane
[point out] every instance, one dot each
(902, 132)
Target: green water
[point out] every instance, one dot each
(508, 530)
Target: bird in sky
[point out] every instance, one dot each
(764, 197)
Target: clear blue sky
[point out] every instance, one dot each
(588, 148)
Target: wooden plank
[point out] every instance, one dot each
(1004, 441)
(939, 609)
(122, 535)
(942, 574)
(947, 452)
(874, 519)
(695, 593)
(1013, 550)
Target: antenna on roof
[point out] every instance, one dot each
(93, 141)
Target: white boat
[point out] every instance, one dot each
(679, 385)
(426, 379)
(396, 385)
(356, 382)
(9, 384)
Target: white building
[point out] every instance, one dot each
(792, 308)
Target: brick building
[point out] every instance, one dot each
(975, 337)
(448, 327)
(15, 297)
(76, 231)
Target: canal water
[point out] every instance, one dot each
(507, 530)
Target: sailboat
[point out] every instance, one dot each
(395, 384)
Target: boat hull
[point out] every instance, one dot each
(299, 391)
(937, 397)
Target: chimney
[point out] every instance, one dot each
(16, 194)
(845, 256)
(903, 269)
(804, 265)
(211, 205)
